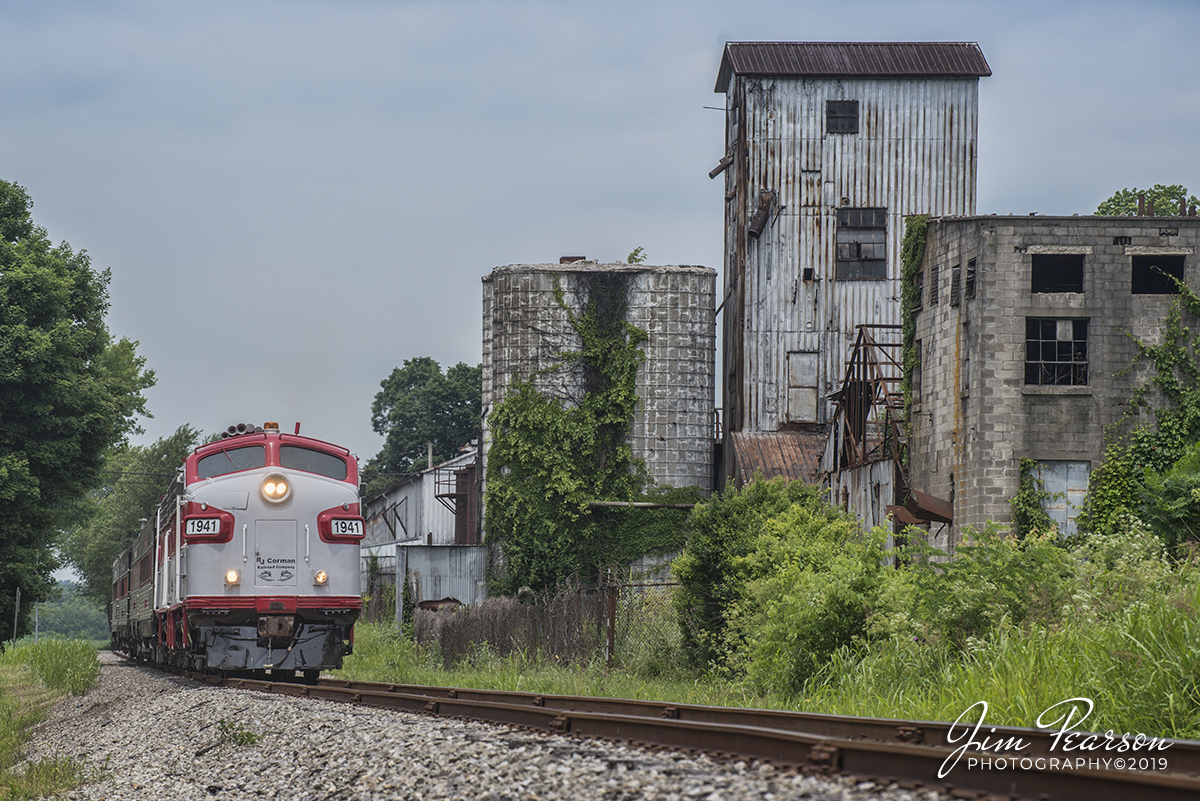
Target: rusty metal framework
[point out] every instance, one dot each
(458, 490)
(869, 421)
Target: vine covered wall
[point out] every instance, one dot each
(553, 452)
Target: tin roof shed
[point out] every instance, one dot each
(851, 59)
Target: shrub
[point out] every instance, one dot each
(712, 570)
(816, 577)
(992, 578)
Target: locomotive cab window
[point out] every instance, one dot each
(310, 461)
(232, 460)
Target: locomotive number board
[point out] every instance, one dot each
(203, 525)
(346, 528)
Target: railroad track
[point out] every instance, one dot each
(910, 753)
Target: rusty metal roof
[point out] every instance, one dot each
(852, 59)
(791, 454)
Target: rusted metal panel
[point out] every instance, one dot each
(926, 507)
(439, 572)
(857, 59)
(794, 455)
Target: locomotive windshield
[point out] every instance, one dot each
(310, 461)
(231, 461)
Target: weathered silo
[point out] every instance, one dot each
(526, 327)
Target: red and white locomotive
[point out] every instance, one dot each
(251, 562)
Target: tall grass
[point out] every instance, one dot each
(32, 676)
(381, 654)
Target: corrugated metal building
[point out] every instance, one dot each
(829, 147)
(427, 526)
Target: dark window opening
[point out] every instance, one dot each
(918, 291)
(841, 116)
(862, 244)
(955, 284)
(970, 288)
(808, 273)
(1056, 352)
(1057, 272)
(933, 285)
(231, 461)
(1122, 240)
(1152, 275)
(310, 461)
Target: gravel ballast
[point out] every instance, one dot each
(148, 735)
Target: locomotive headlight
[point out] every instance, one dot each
(232, 577)
(276, 488)
(320, 577)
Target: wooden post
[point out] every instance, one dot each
(612, 614)
(16, 615)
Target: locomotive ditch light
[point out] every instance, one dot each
(232, 577)
(276, 488)
(320, 577)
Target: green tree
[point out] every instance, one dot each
(68, 393)
(135, 477)
(1166, 200)
(418, 404)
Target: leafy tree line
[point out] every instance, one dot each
(69, 392)
(135, 478)
(1165, 200)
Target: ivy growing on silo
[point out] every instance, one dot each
(549, 459)
(912, 251)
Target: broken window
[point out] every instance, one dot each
(841, 116)
(1057, 272)
(862, 244)
(918, 291)
(1056, 352)
(970, 278)
(933, 285)
(1152, 275)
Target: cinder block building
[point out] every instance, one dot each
(829, 145)
(526, 329)
(1024, 339)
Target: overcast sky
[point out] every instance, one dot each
(295, 197)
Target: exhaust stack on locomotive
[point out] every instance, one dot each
(252, 561)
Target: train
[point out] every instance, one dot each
(250, 564)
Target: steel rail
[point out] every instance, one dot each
(907, 752)
(1183, 755)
